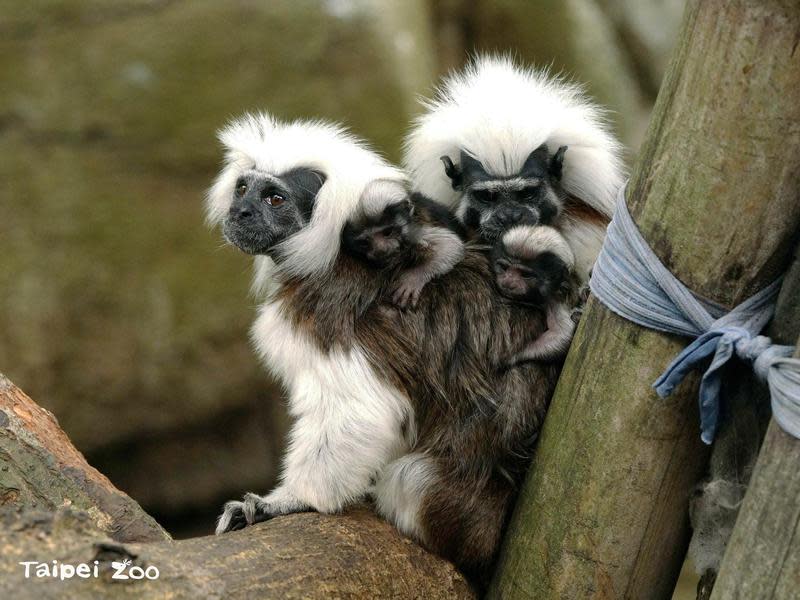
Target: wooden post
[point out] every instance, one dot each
(738, 442)
(762, 559)
(603, 512)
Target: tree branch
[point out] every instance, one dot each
(40, 468)
(57, 507)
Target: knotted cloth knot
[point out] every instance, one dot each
(630, 280)
(748, 347)
(720, 344)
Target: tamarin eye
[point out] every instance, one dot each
(274, 200)
(529, 193)
(483, 196)
(241, 189)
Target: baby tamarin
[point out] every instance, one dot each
(394, 229)
(535, 265)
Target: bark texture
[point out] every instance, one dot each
(310, 555)
(57, 507)
(762, 559)
(40, 468)
(603, 512)
(716, 503)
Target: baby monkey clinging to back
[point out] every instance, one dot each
(409, 232)
(535, 265)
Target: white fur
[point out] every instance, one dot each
(261, 142)
(379, 194)
(400, 490)
(515, 183)
(529, 241)
(347, 425)
(499, 112)
(264, 281)
(554, 342)
(446, 248)
(347, 422)
(585, 239)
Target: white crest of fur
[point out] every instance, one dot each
(527, 241)
(381, 193)
(261, 142)
(499, 112)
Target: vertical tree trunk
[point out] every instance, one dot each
(603, 512)
(762, 559)
(737, 445)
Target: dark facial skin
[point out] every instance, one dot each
(506, 202)
(266, 210)
(383, 241)
(534, 281)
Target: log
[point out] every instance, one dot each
(762, 559)
(603, 511)
(56, 507)
(354, 555)
(40, 468)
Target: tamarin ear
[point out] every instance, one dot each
(471, 168)
(537, 163)
(453, 172)
(557, 162)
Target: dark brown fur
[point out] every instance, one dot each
(577, 209)
(477, 421)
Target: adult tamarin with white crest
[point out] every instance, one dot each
(415, 402)
(519, 147)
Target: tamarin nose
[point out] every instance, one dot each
(510, 216)
(516, 215)
(241, 210)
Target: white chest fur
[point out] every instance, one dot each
(348, 422)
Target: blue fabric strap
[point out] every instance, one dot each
(630, 280)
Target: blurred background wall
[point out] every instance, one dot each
(120, 310)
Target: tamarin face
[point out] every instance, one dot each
(382, 240)
(531, 278)
(491, 204)
(266, 209)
